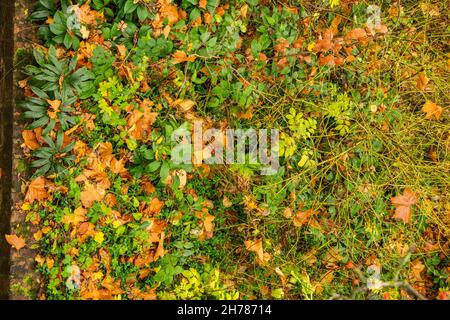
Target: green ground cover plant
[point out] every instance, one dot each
(359, 207)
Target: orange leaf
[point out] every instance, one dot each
(282, 45)
(155, 229)
(15, 241)
(90, 194)
(432, 110)
(78, 216)
(54, 108)
(105, 152)
(29, 138)
(328, 60)
(403, 205)
(181, 56)
(86, 15)
(122, 50)
(160, 249)
(202, 4)
(170, 12)
(36, 190)
(155, 206)
(417, 267)
(118, 166)
(302, 217)
(356, 34)
(422, 81)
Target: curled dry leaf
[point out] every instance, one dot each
(74, 279)
(208, 225)
(256, 246)
(417, 267)
(403, 205)
(227, 202)
(422, 81)
(287, 212)
(15, 241)
(357, 34)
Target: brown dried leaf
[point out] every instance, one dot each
(403, 205)
(422, 81)
(256, 246)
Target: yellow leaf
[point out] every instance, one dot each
(184, 105)
(99, 237)
(84, 32)
(244, 10)
(25, 206)
(52, 112)
(303, 160)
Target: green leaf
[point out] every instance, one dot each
(153, 166)
(142, 13)
(67, 41)
(57, 29)
(164, 173)
(129, 6)
(195, 13)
